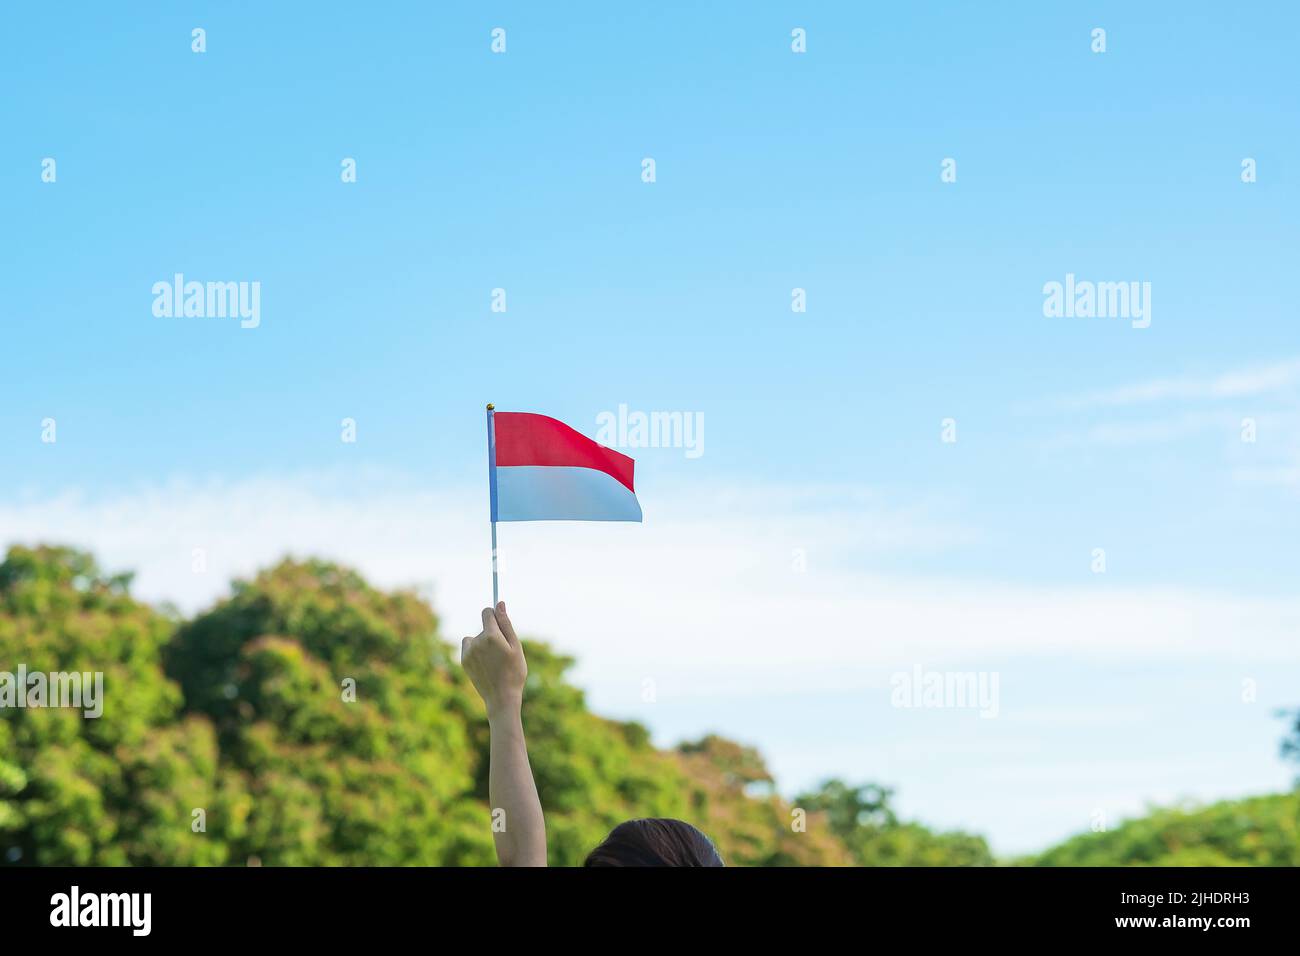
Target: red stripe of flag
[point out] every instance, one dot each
(526, 439)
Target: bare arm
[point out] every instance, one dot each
(494, 660)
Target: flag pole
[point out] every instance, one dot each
(492, 497)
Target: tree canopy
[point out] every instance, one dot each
(309, 718)
(120, 788)
(1257, 831)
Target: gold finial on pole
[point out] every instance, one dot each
(490, 406)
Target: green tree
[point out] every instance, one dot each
(1259, 831)
(733, 799)
(319, 721)
(863, 818)
(591, 773)
(120, 788)
(343, 716)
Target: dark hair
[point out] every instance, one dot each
(655, 842)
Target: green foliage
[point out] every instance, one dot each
(591, 773)
(383, 778)
(1291, 744)
(120, 788)
(732, 799)
(319, 721)
(1259, 831)
(862, 818)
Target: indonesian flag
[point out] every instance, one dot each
(540, 469)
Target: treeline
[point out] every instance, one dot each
(1258, 831)
(310, 719)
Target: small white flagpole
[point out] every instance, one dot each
(492, 494)
(495, 596)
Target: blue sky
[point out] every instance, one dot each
(774, 170)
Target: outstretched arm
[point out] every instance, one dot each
(494, 660)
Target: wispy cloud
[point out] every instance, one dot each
(1146, 432)
(1182, 408)
(1237, 383)
(747, 587)
(1286, 476)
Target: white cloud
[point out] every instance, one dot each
(704, 597)
(1147, 432)
(704, 600)
(1285, 476)
(1236, 383)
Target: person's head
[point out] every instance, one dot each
(655, 842)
